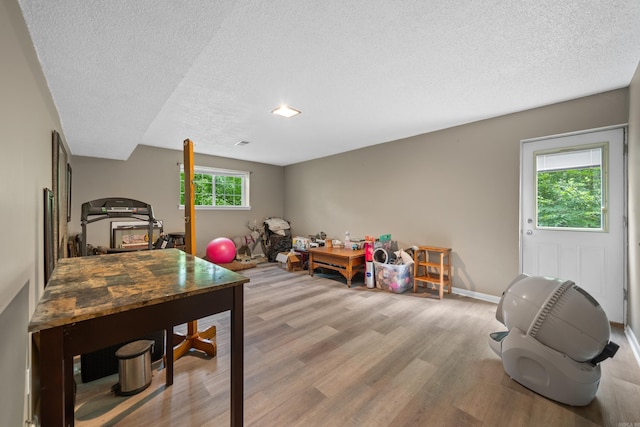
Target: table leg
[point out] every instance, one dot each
(168, 356)
(52, 390)
(69, 390)
(310, 264)
(237, 357)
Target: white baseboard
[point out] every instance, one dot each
(476, 295)
(633, 343)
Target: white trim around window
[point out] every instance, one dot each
(243, 198)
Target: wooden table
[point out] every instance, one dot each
(96, 301)
(345, 261)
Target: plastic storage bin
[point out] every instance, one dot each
(394, 278)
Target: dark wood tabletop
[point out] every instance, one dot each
(94, 286)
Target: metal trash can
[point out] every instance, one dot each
(134, 367)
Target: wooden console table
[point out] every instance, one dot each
(96, 301)
(345, 261)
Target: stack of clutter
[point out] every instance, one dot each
(393, 269)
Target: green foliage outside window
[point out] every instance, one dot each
(570, 198)
(226, 192)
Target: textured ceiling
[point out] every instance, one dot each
(156, 72)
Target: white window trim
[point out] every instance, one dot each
(246, 193)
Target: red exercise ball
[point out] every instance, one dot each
(221, 250)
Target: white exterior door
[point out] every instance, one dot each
(572, 213)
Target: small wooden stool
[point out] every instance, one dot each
(437, 273)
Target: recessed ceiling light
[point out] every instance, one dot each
(241, 143)
(285, 111)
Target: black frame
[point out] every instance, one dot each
(59, 188)
(49, 259)
(68, 192)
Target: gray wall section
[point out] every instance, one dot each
(28, 117)
(456, 188)
(633, 313)
(152, 175)
(13, 358)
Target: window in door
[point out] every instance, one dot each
(571, 189)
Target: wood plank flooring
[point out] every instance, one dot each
(320, 354)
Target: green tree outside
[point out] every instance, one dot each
(228, 190)
(570, 198)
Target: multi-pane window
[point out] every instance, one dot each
(570, 189)
(218, 188)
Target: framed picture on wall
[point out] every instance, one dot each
(68, 192)
(59, 188)
(49, 260)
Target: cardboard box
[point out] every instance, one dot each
(289, 261)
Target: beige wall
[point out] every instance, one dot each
(633, 314)
(28, 117)
(152, 175)
(457, 188)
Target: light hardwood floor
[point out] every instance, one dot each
(320, 354)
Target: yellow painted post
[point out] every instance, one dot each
(205, 340)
